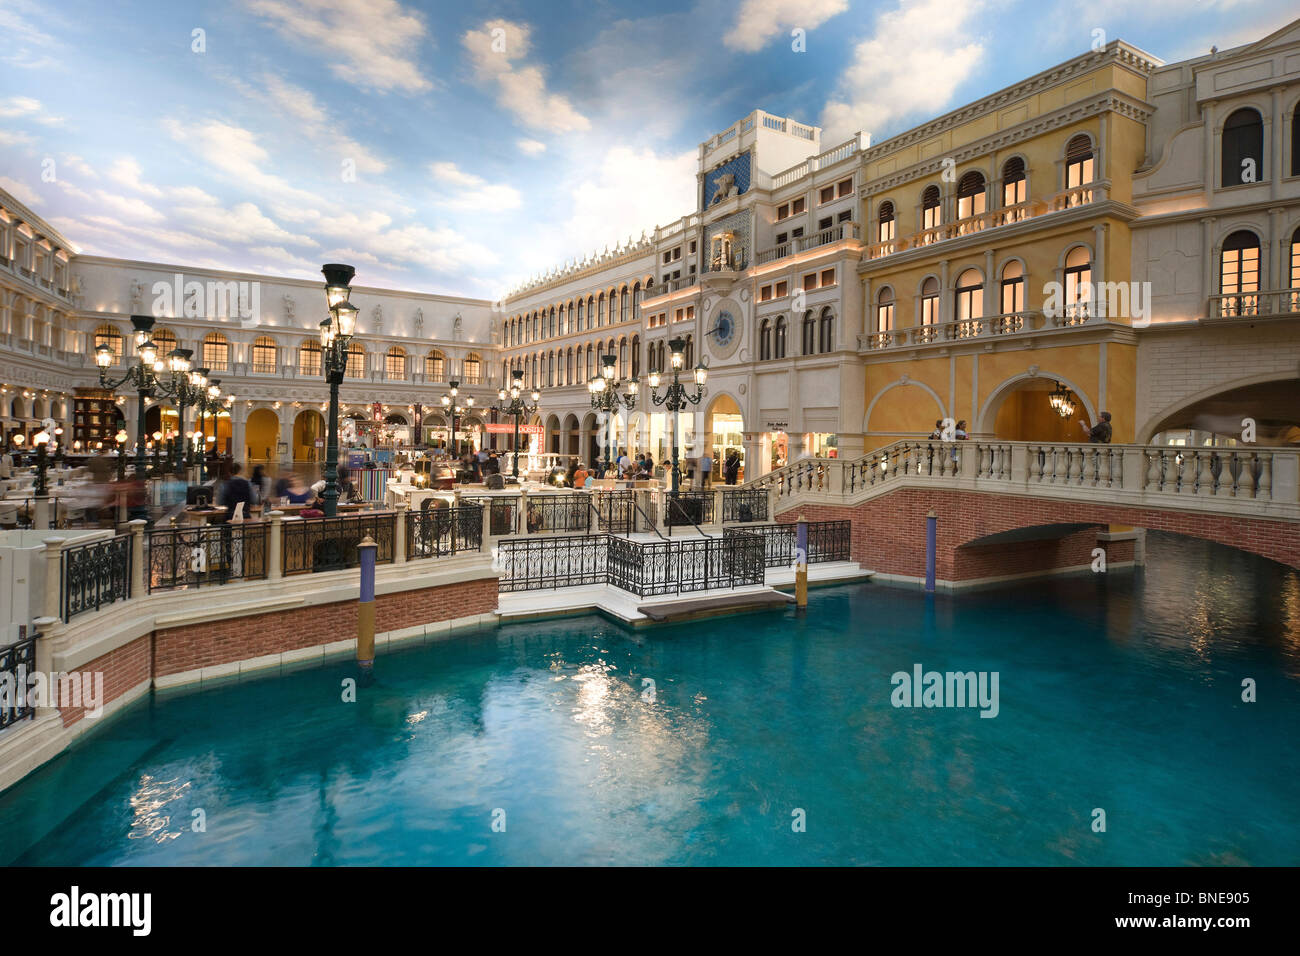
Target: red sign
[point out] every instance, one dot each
(499, 428)
(377, 412)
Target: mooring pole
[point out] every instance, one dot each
(801, 563)
(931, 525)
(366, 608)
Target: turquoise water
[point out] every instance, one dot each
(1118, 692)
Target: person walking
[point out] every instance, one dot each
(731, 467)
(235, 490)
(1099, 433)
(706, 469)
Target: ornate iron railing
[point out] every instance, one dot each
(617, 511)
(17, 663)
(330, 544)
(202, 556)
(744, 505)
(689, 507)
(532, 564)
(95, 574)
(439, 531)
(503, 512)
(562, 513)
(827, 541)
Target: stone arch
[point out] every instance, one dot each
(1161, 420)
(986, 420)
(942, 410)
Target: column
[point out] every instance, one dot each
(1211, 145)
(1275, 278)
(1276, 127)
(1207, 262)
(1099, 266)
(753, 444)
(238, 419)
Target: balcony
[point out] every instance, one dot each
(845, 230)
(1255, 305)
(966, 330)
(1074, 198)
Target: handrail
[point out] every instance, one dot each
(681, 511)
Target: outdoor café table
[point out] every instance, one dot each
(290, 510)
(200, 515)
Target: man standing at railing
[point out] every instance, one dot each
(1100, 432)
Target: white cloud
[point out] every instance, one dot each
(13, 137)
(918, 56)
(130, 209)
(496, 52)
(758, 21)
(20, 191)
(236, 152)
(20, 36)
(13, 107)
(314, 121)
(370, 43)
(474, 193)
(79, 166)
(243, 222)
(531, 147)
(126, 171)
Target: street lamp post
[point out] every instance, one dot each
(675, 398)
(209, 402)
(517, 407)
(336, 332)
(605, 398)
(146, 377)
(449, 401)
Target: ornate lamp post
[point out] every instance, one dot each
(336, 333)
(210, 401)
(449, 401)
(121, 438)
(517, 407)
(676, 397)
(605, 398)
(146, 377)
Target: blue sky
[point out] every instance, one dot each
(462, 147)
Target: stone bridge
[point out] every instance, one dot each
(1015, 509)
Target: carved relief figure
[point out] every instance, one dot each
(137, 296)
(419, 323)
(377, 314)
(726, 188)
(289, 306)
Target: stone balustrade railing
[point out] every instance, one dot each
(1261, 482)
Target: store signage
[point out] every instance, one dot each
(505, 428)
(777, 426)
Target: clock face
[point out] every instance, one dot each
(724, 327)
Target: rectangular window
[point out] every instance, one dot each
(677, 254)
(930, 217)
(692, 247)
(472, 371)
(827, 194)
(782, 238)
(844, 216)
(668, 256)
(690, 312)
(356, 367)
(783, 211)
(797, 207)
(796, 233)
(765, 294)
(885, 317)
(395, 366)
(309, 359)
(782, 289)
(810, 282)
(844, 187)
(824, 224)
(828, 277)
(929, 309)
(263, 358)
(1013, 193)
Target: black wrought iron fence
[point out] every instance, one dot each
(503, 512)
(827, 541)
(440, 531)
(689, 507)
(330, 544)
(95, 574)
(533, 564)
(744, 505)
(207, 555)
(617, 511)
(17, 664)
(561, 513)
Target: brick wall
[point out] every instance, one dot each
(888, 533)
(123, 668)
(187, 648)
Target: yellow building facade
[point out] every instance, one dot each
(997, 261)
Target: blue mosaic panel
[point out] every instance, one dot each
(737, 167)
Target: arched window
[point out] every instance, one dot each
(550, 369)
(568, 325)
(931, 214)
(264, 355)
(826, 331)
(216, 352)
(568, 366)
(473, 369)
(537, 326)
(778, 338)
(929, 308)
(1295, 141)
(1013, 287)
(690, 351)
(536, 379)
(110, 336)
(636, 355)
(809, 333)
(968, 303)
(1239, 274)
(636, 299)
(600, 310)
(309, 355)
(972, 197)
(591, 312)
(1242, 148)
(622, 358)
(581, 315)
(591, 362)
(165, 339)
(1078, 286)
(1079, 168)
(356, 367)
(764, 340)
(625, 305)
(1013, 186)
(395, 363)
(434, 366)
(885, 310)
(1295, 271)
(886, 227)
